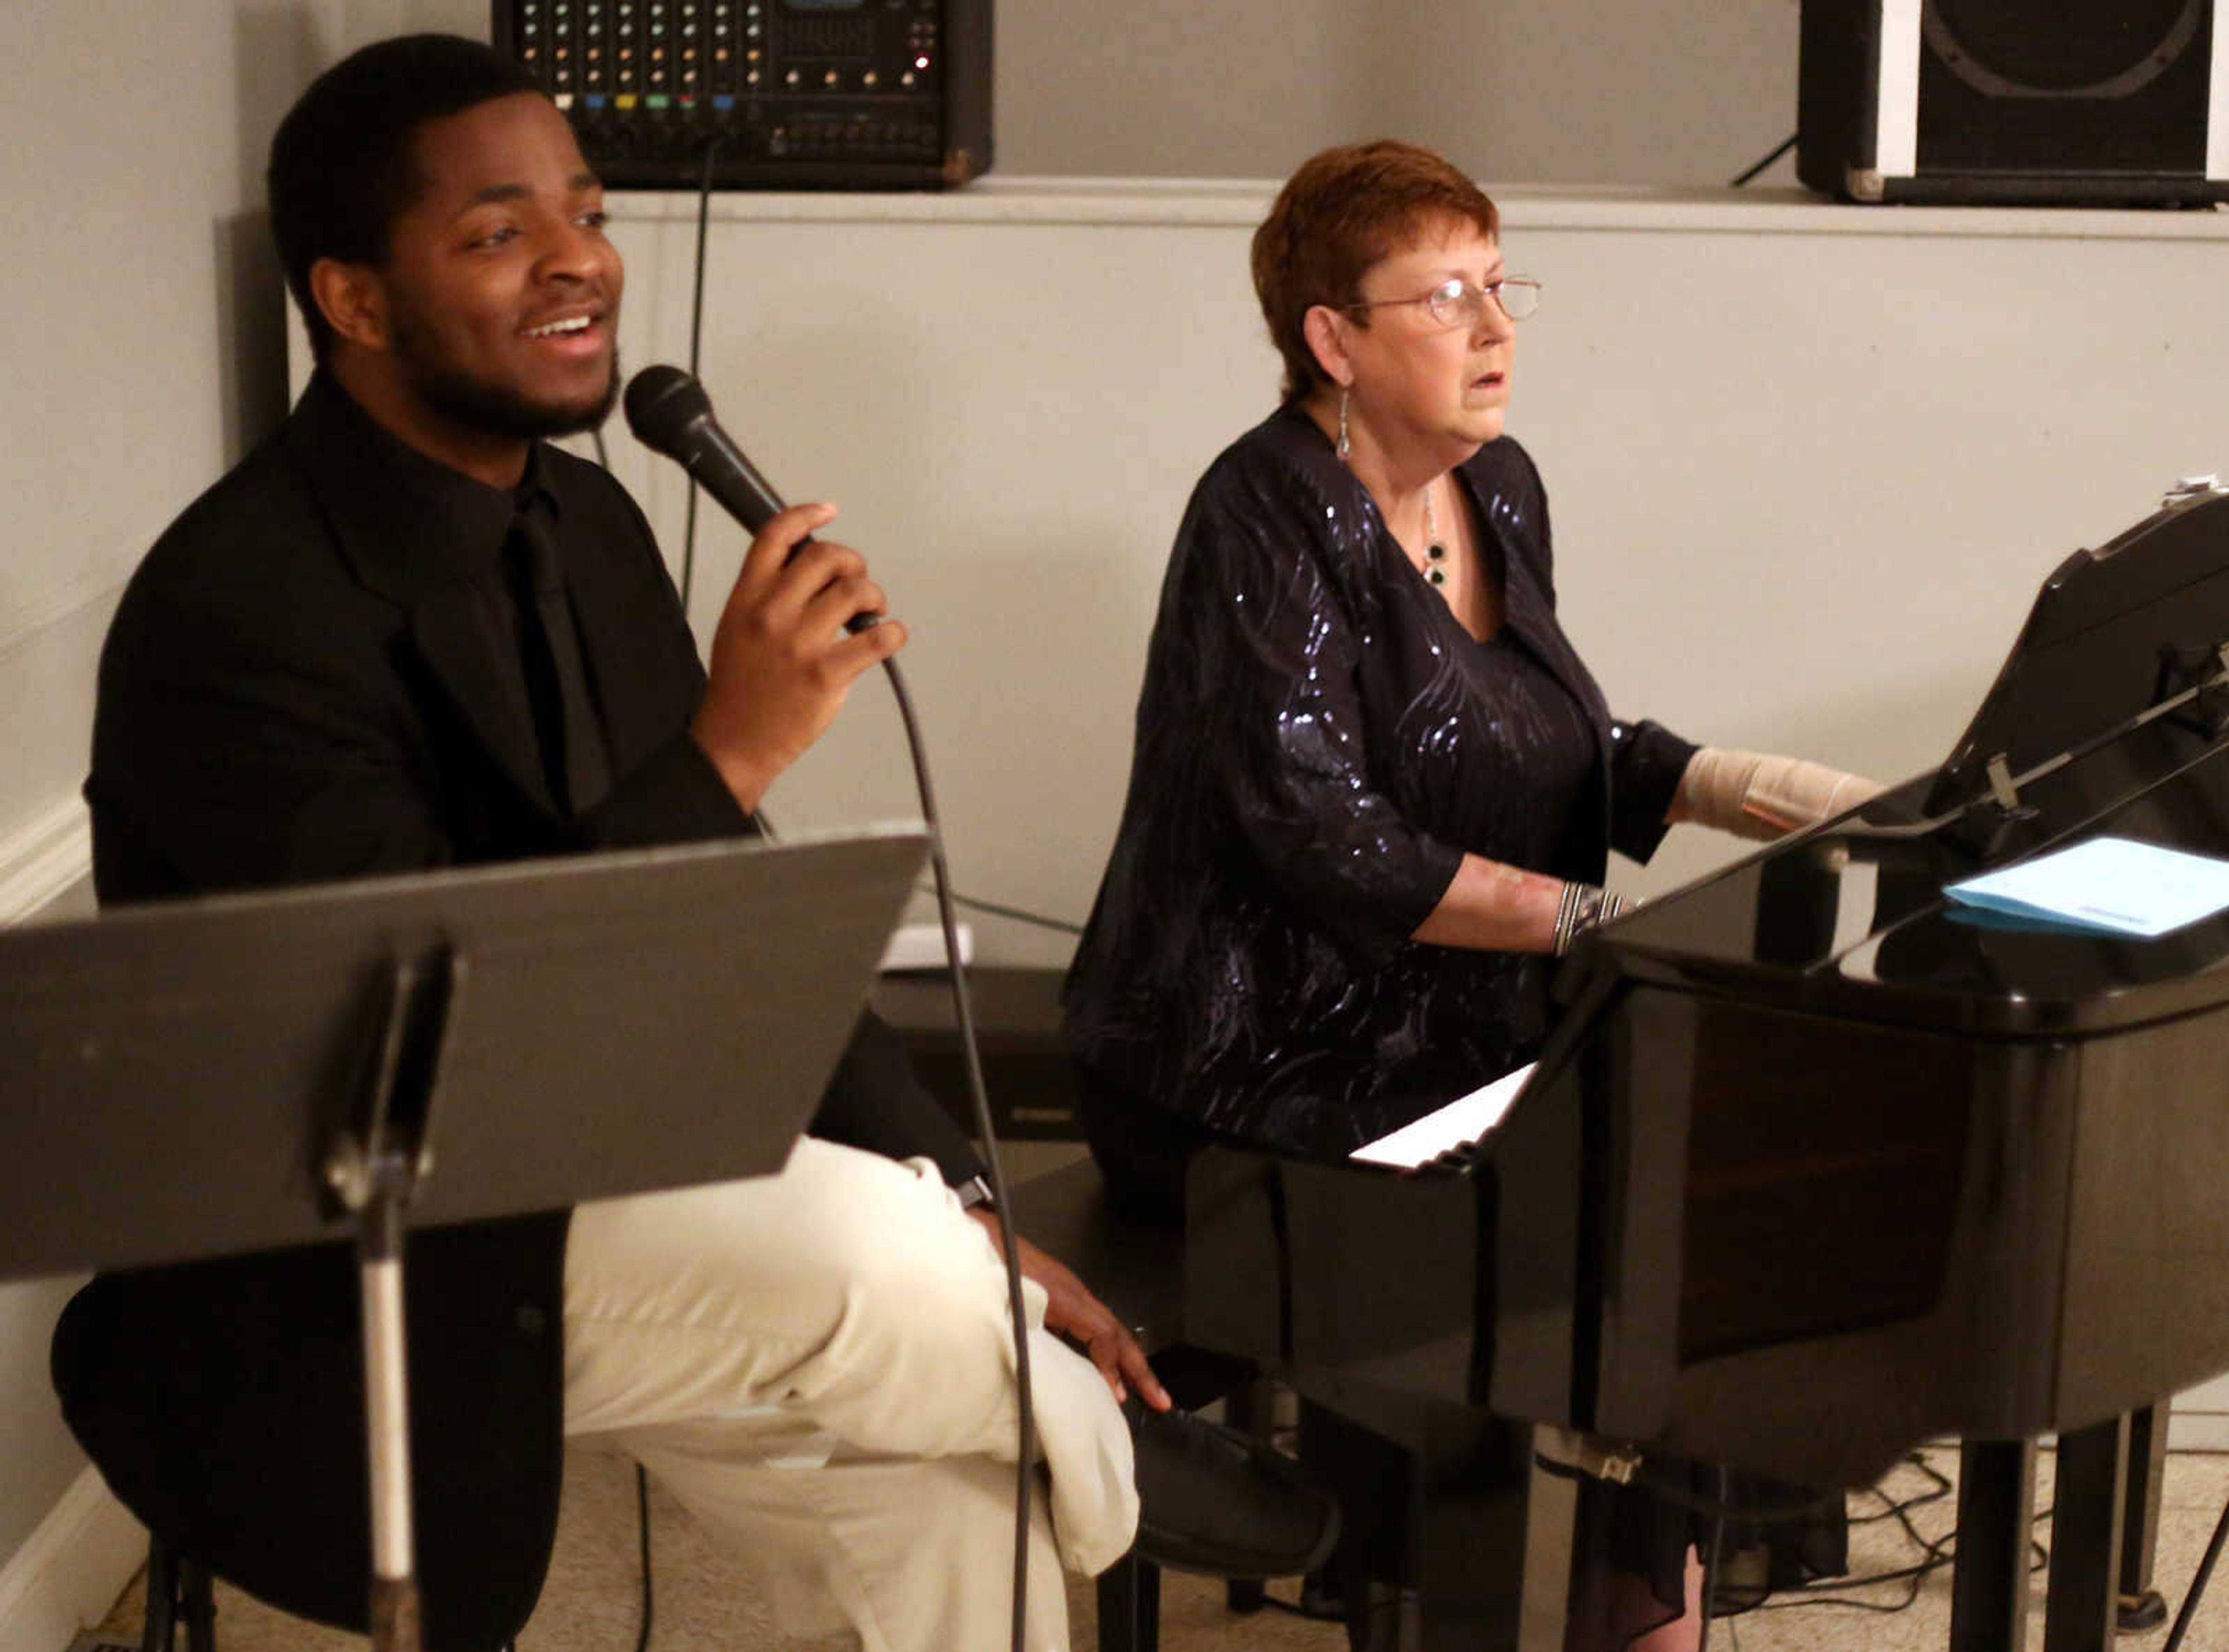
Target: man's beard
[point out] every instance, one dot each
(477, 404)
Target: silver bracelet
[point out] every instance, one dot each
(1582, 908)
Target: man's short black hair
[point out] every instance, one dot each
(341, 165)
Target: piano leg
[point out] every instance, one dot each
(1989, 1585)
(2140, 1605)
(1551, 1505)
(2080, 1610)
(1431, 1557)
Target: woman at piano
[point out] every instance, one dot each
(1374, 786)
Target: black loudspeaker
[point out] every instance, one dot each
(765, 95)
(2051, 102)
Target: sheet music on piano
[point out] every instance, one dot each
(1458, 1124)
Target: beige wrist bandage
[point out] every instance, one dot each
(1758, 795)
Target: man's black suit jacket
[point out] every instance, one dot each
(296, 688)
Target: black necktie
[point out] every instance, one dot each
(556, 683)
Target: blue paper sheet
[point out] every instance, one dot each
(2105, 886)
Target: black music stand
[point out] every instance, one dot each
(234, 1074)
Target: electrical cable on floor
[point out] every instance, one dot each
(2197, 1590)
(1786, 144)
(1937, 1552)
(1899, 1510)
(1938, 1556)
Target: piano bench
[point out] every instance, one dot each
(1137, 1270)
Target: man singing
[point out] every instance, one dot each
(406, 633)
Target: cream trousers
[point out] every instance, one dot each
(818, 1364)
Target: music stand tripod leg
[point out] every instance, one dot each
(395, 1625)
(374, 1165)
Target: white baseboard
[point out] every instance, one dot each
(921, 946)
(68, 1576)
(43, 858)
(2200, 1418)
(70, 1570)
(2197, 1431)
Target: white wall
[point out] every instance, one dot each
(1556, 91)
(1244, 89)
(142, 335)
(1807, 463)
(1589, 91)
(136, 354)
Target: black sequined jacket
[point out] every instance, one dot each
(1318, 743)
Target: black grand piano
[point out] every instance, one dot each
(1818, 1166)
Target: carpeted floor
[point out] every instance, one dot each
(703, 1601)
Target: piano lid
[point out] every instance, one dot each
(2111, 715)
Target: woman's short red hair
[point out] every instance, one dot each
(1345, 209)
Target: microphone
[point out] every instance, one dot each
(668, 411)
(670, 414)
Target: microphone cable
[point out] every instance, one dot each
(964, 1017)
(978, 1097)
(642, 1528)
(695, 347)
(641, 1474)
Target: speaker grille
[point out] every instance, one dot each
(2061, 50)
(2111, 87)
(2078, 102)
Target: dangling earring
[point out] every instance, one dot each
(1343, 448)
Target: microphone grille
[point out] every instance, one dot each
(662, 403)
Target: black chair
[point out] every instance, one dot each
(179, 1592)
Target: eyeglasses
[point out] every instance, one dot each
(1456, 303)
